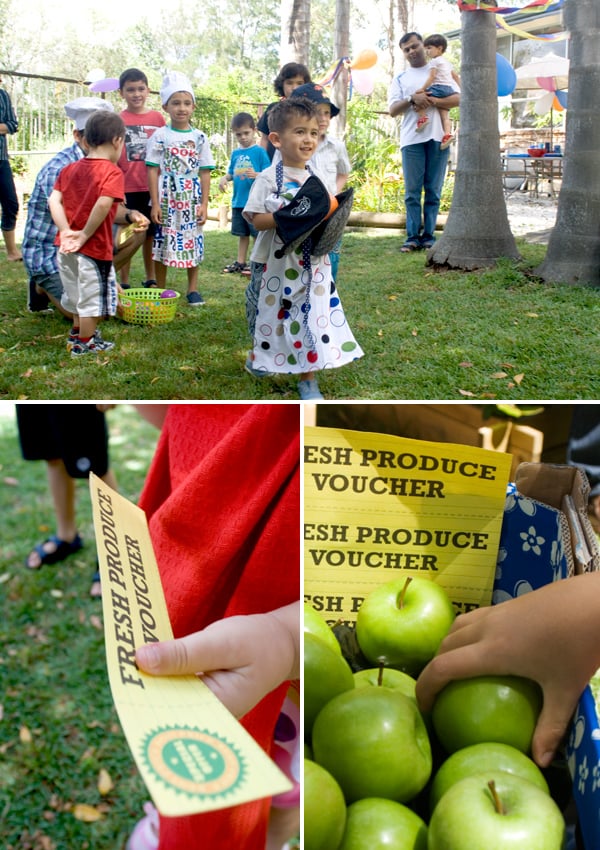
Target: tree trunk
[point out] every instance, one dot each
(339, 94)
(477, 232)
(573, 254)
(295, 31)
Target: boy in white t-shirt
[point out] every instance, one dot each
(442, 81)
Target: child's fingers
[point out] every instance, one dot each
(210, 649)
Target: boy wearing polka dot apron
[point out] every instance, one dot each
(294, 312)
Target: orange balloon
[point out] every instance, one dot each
(365, 59)
(556, 104)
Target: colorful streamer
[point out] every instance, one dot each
(365, 60)
(534, 6)
(556, 36)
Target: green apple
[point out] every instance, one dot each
(402, 623)
(376, 824)
(374, 742)
(486, 758)
(502, 709)
(478, 813)
(388, 677)
(324, 809)
(316, 625)
(326, 674)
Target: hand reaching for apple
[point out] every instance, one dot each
(241, 658)
(551, 635)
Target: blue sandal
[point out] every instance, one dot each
(62, 551)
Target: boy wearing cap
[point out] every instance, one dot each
(330, 160)
(140, 123)
(83, 205)
(38, 248)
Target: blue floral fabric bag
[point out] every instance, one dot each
(546, 534)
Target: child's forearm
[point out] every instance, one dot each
(205, 184)
(98, 213)
(153, 171)
(263, 221)
(430, 79)
(57, 211)
(340, 182)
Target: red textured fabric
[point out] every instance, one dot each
(222, 500)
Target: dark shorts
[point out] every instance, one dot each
(50, 283)
(140, 201)
(239, 225)
(74, 433)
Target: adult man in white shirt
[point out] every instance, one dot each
(423, 162)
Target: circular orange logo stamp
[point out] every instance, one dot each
(194, 761)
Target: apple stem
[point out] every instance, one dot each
(402, 594)
(380, 675)
(496, 798)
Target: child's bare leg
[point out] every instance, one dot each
(192, 276)
(446, 123)
(87, 326)
(160, 275)
(148, 261)
(243, 245)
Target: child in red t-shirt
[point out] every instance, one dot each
(83, 205)
(140, 124)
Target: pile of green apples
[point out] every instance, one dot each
(378, 775)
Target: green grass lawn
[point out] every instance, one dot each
(58, 727)
(491, 334)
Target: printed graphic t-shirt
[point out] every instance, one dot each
(139, 127)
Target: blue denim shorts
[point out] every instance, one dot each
(239, 225)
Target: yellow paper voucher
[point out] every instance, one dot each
(380, 507)
(192, 753)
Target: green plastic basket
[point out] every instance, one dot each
(146, 307)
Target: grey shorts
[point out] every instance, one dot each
(50, 283)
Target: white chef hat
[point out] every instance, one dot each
(80, 109)
(174, 81)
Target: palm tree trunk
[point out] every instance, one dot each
(477, 231)
(573, 254)
(341, 48)
(295, 31)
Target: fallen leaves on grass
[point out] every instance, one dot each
(25, 736)
(86, 813)
(105, 783)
